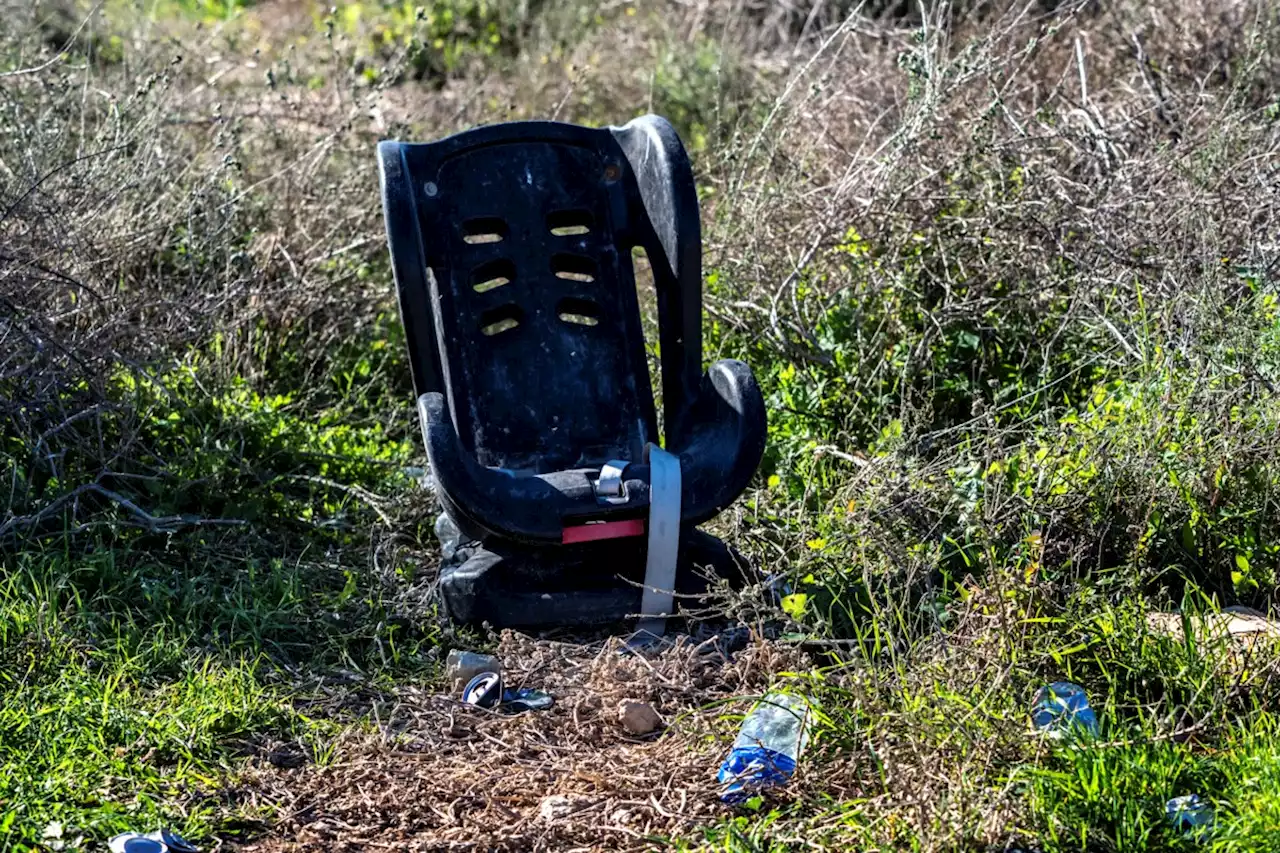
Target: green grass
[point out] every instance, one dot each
(140, 670)
(134, 687)
(946, 737)
(120, 716)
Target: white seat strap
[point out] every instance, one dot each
(658, 601)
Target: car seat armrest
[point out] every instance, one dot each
(728, 428)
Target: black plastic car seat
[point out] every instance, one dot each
(511, 246)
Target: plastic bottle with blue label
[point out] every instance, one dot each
(771, 740)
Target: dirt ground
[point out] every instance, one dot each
(444, 776)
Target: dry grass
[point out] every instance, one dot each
(441, 775)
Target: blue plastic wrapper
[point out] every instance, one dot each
(1190, 814)
(1063, 707)
(747, 769)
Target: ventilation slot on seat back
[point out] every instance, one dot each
(484, 229)
(574, 267)
(569, 223)
(498, 320)
(492, 275)
(580, 312)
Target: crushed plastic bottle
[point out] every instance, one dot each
(1063, 707)
(771, 740)
(132, 842)
(172, 840)
(1190, 815)
(521, 699)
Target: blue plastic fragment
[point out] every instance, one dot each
(1061, 707)
(1189, 814)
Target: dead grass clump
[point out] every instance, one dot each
(985, 204)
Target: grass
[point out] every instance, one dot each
(117, 719)
(1006, 272)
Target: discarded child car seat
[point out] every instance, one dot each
(511, 246)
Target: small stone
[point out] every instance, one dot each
(554, 808)
(638, 718)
